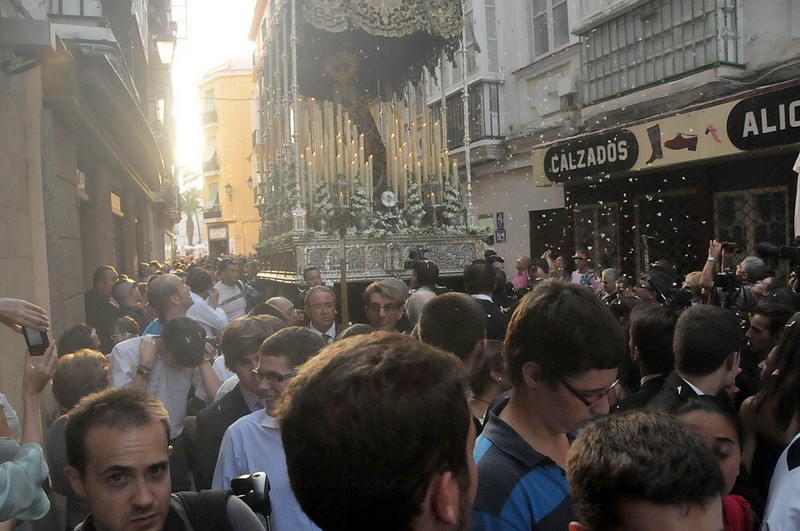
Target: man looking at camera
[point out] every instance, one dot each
(118, 451)
(383, 304)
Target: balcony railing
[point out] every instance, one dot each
(78, 8)
(209, 117)
(211, 164)
(212, 213)
(657, 40)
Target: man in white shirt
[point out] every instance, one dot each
(167, 367)
(783, 504)
(231, 291)
(169, 295)
(205, 309)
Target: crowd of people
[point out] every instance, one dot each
(554, 399)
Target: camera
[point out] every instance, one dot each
(727, 281)
(730, 247)
(253, 489)
(214, 342)
(415, 254)
(791, 253)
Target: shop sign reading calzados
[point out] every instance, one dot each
(592, 155)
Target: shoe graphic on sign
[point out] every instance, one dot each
(711, 129)
(682, 141)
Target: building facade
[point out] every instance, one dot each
(552, 81)
(229, 213)
(85, 152)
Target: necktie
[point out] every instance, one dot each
(327, 339)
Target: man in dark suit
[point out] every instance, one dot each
(320, 308)
(479, 281)
(706, 344)
(101, 312)
(652, 327)
(240, 345)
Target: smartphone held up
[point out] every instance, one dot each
(36, 340)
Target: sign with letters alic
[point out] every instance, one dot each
(766, 120)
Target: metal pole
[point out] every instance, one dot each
(471, 219)
(298, 212)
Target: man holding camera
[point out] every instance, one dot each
(167, 367)
(118, 450)
(736, 292)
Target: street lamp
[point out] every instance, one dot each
(250, 182)
(165, 44)
(229, 191)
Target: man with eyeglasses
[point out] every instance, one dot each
(384, 305)
(653, 286)
(253, 443)
(564, 347)
(240, 346)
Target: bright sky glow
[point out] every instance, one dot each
(215, 33)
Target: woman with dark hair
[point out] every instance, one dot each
(78, 337)
(490, 381)
(721, 431)
(771, 417)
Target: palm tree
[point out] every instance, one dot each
(190, 204)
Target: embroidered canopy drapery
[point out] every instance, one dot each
(386, 18)
(372, 48)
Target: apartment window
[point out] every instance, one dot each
(80, 8)
(471, 43)
(484, 114)
(209, 115)
(210, 161)
(211, 209)
(655, 41)
(492, 53)
(549, 25)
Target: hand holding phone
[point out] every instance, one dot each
(36, 340)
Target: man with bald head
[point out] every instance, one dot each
(287, 309)
(169, 296)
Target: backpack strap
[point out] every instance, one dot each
(203, 511)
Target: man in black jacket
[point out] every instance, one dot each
(479, 281)
(101, 312)
(706, 344)
(652, 327)
(240, 344)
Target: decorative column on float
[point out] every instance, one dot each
(471, 210)
(298, 212)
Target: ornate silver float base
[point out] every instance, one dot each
(367, 259)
